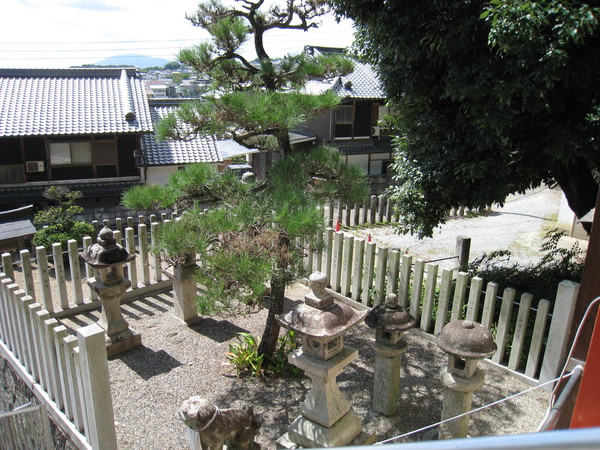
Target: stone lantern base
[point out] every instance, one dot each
(326, 419)
(123, 341)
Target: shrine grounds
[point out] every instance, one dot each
(176, 362)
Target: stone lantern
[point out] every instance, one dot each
(390, 322)
(326, 419)
(465, 342)
(107, 258)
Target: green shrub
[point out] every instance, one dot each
(243, 355)
(57, 233)
(59, 217)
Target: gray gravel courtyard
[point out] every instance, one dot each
(176, 362)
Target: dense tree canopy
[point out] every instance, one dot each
(490, 98)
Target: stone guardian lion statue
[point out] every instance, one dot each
(235, 426)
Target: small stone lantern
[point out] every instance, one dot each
(465, 342)
(326, 419)
(390, 322)
(107, 258)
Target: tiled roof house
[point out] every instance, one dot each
(78, 127)
(159, 159)
(353, 125)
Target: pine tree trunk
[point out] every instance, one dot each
(268, 342)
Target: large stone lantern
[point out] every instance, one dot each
(390, 322)
(465, 342)
(326, 419)
(107, 258)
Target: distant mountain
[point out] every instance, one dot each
(140, 61)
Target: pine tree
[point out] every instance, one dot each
(248, 237)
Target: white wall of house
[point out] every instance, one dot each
(158, 175)
(361, 161)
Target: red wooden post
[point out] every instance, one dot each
(586, 412)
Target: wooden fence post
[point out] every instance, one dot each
(508, 299)
(98, 399)
(428, 301)
(404, 285)
(327, 264)
(27, 273)
(357, 268)
(463, 247)
(369, 271)
(144, 263)
(347, 260)
(75, 271)
(558, 336)
(380, 275)
(89, 270)
(154, 226)
(336, 271)
(7, 266)
(537, 339)
(59, 273)
(132, 266)
(373, 209)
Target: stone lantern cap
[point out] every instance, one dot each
(106, 252)
(321, 324)
(467, 340)
(390, 317)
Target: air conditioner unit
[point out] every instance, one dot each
(375, 131)
(35, 166)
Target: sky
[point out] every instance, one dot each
(63, 33)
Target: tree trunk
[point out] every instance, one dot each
(268, 342)
(579, 186)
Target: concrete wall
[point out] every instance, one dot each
(567, 220)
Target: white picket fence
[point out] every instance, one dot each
(61, 297)
(376, 209)
(530, 340)
(68, 374)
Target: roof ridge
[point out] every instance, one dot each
(79, 72)
(126, 99)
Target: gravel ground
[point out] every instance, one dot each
(175, 362)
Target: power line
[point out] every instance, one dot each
(98, 42)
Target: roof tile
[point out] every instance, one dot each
(36, 102)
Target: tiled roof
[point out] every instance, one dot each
(35, 102)
(29, 193)
(168, 152)
(363, 82)
(361, 147)
(16, 229)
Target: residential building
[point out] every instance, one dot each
(75, 127)
(159, 159)
(353, 127)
